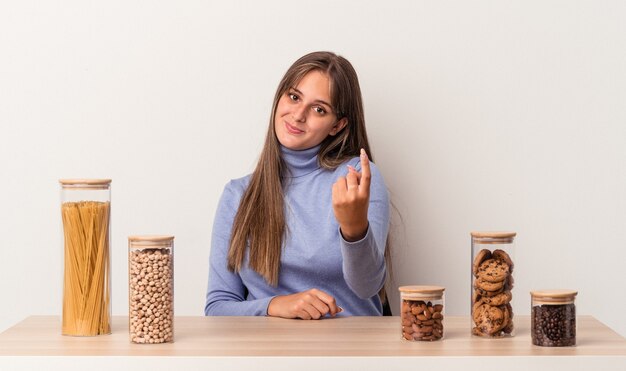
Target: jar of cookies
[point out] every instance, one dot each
(86, 218)
(553, 318)
(492, 284)
(422, 312)
(151, 289)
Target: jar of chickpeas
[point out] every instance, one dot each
(151, 289)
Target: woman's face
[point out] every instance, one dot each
(304, 116)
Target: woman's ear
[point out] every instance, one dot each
(338, 126)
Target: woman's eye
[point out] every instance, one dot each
(320, 110)
(293, 97)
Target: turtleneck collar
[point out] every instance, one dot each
(300, 163)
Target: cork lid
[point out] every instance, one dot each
(493, 237)
(494, 234)
(153, 241)
(422, 292)
(85, 183)
(555, 296)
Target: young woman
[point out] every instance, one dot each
(304, 236)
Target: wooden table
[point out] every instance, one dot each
(278, 344)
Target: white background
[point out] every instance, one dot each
(483, 115)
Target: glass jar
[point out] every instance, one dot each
(85, 214)
(492, 284)
(422, 312)
(151, 289)
(553, 318)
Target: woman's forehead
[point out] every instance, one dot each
(315, 84)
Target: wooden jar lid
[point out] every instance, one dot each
(493, 234)
(422, 292)
(556, 296)
(85, 183)
(493, 237)
(153, 241)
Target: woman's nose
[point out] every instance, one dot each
(299, 113)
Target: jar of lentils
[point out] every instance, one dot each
(151, 289)
(422, 312)
(553, 318)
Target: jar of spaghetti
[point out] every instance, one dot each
(553, 318)
(85, 214)
(492, 284)
(421, 312)
(151, 289)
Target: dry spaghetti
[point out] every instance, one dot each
(86, 281)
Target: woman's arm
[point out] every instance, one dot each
(310, 304)
(226, 294)
(363, 259)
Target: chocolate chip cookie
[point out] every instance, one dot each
(497, 300)
(490, 319)
(502, 255)
(482, 255)
(493, 270)
(483, 284)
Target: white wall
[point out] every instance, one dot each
(483, 115)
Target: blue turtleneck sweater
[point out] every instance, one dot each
(314, 254)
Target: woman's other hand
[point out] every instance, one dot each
(351, 195)
(310, 304)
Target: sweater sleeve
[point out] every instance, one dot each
(364, 261)
(226, 293)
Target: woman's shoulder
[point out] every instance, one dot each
(236, 187)
(239, 184)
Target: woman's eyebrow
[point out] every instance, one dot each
(316, 101)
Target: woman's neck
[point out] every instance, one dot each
(300, 163)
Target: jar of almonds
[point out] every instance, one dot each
(421, 312)
(492, 284)
(151, 289)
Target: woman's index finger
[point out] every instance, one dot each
(366, 174)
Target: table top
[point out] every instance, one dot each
(267, 336)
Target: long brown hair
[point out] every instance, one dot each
(260, 219)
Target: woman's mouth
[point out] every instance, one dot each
(292, 129)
